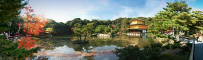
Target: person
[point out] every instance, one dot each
(6, 35)
(16, 35)
(13, 34)
(200, 37)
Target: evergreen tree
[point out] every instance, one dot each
(199, 16)
(170, 18)
(9, 9)
(124, 25)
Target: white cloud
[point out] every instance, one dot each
(151, 8)
(66, 10)
(196, 9)
(83, 9)
(103, 2)
(190, 0)
(124, 13)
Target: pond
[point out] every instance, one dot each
(62, 48)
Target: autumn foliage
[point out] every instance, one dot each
(114, 26)
(33, 24)
(122, 29)
(26, 42)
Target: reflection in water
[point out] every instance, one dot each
(62, 48)
(60, 53)
(65, 52)
(150, 52)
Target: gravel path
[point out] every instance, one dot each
(198, 53)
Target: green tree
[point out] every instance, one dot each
(17, 24)
(10, 51)
(96, 22)
(161, 22)
(124, 24)
(100, 29)
(167, 19)
(88, 29)
(185, 21)
(114, 31)
(199, 16)
(60, 28)
(74, 21)
(177, 7)
(107, 29)
(85, 21)
(149, 52)
(77, 26)
(9, 9)
(78, 30)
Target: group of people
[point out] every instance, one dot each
(9, 36)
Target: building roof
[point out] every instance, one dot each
(137, 24)
(137, 28)
(137, 19)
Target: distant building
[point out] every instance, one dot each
(104, 35)
(137, 27)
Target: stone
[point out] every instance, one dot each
(164, 44)
(200, 38)
(171, 42)
(182, 43)
(160, 40)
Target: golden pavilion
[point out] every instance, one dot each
(137, 27)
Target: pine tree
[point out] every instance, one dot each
(199, 16)
(168, 19)
(9, 9)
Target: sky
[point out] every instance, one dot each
(66, 10)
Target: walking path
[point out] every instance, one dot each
(198, 52)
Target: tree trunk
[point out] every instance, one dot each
(188, 33)
(19, 27)
(80, 37)
(27, 28)
(50, 34)
(85, 37)
(173, 33)
(177, 36)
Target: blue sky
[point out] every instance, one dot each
(65, 10)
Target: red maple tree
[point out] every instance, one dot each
(114, 26)
(33, 24)
(26, 42)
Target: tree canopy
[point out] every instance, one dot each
(9, 9)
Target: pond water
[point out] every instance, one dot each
(62, 48)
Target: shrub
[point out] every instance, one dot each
(175, 45)
(188, 47)
(26, 43)
(151, 51)
(9, 51)
(170, 37)
(161, 36)
(2, 37)
(130, 53)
